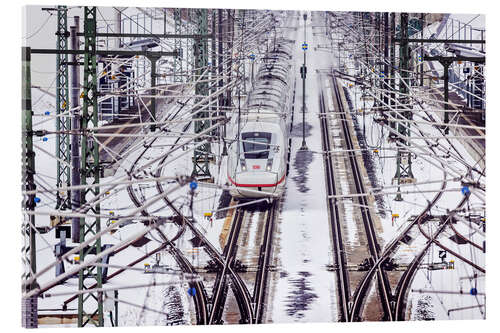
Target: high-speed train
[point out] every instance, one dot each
(259, 155)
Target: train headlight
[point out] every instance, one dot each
(243, 164)
(269, 164)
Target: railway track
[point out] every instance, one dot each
(248, 313)
(217, 302)
(373, 246)
(254, 314)
(343, 288)
(394, 305)
(405, 281)
(398, 302)
(399, 299)
(200, 297)
(168, 244)
(220, 285)
(239, 288)
(265, 255)
(218, 299)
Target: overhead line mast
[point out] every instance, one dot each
(178, 73)
(404, 173)
(201, 156)
(63, 120)
(30, 304)
(90, 306)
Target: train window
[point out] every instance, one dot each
(256, 144)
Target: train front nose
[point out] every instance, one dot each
(255, 184)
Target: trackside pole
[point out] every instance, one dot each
(303, 73)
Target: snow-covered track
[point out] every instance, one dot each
(265, 256)
(343, 288)
(200, 297)
(405, 281)
(221, 283)
(374, 247)
(239, 287)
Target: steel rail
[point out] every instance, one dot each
(264, 261)
(374, 248)
(405, 281)
(240, 290)
(391, 248)
(409, 273)
(413, 97)
(446, 248)
(239, 287)
(200, 297)
(465, 239)
(343, 287)
(219, 294)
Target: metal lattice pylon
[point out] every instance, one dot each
(29, 311)
(63, 121)
(202, 154)
(178, 74)
(403, 159)
(90, 305)
(189, 44)
(240, 68)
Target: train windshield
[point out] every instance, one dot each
(256, 144)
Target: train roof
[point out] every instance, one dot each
(270, 89)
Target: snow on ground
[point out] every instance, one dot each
(119, 203)
(172, 300)
(168, 304)
(305, 290)
(427, 305)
